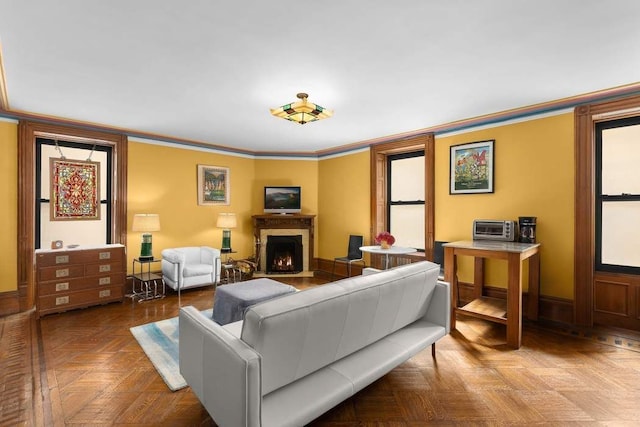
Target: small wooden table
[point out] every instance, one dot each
(507, 312)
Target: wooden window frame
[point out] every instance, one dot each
(379, 197)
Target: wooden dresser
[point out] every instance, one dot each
(79, 277)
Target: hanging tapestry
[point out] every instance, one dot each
(75, 189)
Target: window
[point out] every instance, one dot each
(80, 232)
(618, 195)
(382, 202)
(405, 204)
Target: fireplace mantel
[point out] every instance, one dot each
(289, 222)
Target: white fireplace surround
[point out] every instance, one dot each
(264, 236)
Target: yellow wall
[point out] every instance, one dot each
(9, 206)
(344, 194)
(303, 173)
(534, 176)
(163, 180)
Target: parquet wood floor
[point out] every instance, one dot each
(84, 368)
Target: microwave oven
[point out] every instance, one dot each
(491, 229)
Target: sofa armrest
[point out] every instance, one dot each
(211, 256)
(172, 265)
(439, 311)
(173, 256)
(223, 371)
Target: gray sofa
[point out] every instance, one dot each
(294, 357)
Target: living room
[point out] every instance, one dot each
(541, 154)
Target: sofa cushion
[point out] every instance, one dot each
(191, 270)
(310, 329)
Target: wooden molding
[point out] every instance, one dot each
(9, 303)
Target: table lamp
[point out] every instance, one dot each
(146, 223)
(226, 221)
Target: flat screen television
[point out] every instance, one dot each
(282, 200)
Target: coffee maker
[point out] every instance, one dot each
(527, 228)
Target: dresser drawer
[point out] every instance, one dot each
(102, 255)
(77, 284)
(47, 259)
(103, 268)
(69, 300)
(60, 272)
(58, 258)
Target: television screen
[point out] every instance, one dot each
(282, 200)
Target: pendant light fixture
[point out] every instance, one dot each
(302, 111)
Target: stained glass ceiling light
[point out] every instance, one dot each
(302, 111)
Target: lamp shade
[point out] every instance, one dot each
(302, 111)
(146, 222)
(227, 220)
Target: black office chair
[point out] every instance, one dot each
(438, 256)
(354, 254)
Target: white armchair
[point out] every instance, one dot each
(190, 267)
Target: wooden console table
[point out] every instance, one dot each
(507, 312)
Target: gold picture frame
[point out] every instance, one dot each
(214, 185)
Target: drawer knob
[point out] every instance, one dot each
(63, 286)
(62, 300)
(62, 259)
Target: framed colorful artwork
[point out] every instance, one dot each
(471, 168)
(214, 186)
(75, 190)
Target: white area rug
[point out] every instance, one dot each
(159, 340)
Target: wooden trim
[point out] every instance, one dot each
(9, 303)
(27, 133)
(429, 194)
(586, 116)
(26, 215)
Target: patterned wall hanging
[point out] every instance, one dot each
(75, 189)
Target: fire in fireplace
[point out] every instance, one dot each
(284, 254)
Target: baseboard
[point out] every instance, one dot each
(9, 303)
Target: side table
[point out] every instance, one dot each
(507, 312)
(393, 250)
(145, 284)
(229, 273)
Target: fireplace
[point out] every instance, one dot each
(284, 254)
(266, 227)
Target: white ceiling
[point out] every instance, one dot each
(208, 71)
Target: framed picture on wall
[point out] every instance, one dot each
(75, 190)
(471, 168)
(214, 185)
